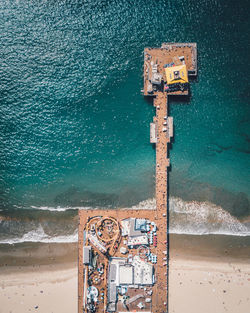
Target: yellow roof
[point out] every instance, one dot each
(176, 74)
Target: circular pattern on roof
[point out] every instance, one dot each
(143, 252)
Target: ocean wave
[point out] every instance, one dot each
(149, 204)
(199, 218)
(59, 209)
(38, 235)
(185, 217)
(203, 218)
(53, 209)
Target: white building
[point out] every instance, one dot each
(86, 256)
(143, 272)
(139, 240)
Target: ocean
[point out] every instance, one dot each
(74, 127)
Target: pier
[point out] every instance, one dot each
(128, 245)
(170, 55)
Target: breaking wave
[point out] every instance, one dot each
(202, 218)
(186, 217)
(199, 218)
(38, 235)
(58, 208)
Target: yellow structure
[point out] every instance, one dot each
(176, 75)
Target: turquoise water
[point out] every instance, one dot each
(74, 126)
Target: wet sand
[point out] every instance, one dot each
(220, 248)
(34, 254)
(207, 274)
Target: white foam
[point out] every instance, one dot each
(203, 218)
(186, 217)
(38, 235)
(198, 218)
(58, 208)
(149, 204)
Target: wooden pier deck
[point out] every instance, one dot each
(158, 215)
(160, 135)
(162, 163)
(168, 53)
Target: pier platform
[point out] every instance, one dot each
(167, 54)
(123, 254)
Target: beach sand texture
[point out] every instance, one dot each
(196, 285)
(208, 287)
(41, 289)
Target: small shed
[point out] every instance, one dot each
(86, 255)
(170, 126)
(153, 133)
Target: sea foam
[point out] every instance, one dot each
(202, 218)
(38, 235)
(185, 217)
(55, 209)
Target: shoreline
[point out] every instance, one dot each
(37, 254)
(220, 283)
(209, 247)
(40, 277)
(187, 218)
(216, 248)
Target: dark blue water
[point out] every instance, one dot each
(74, 127)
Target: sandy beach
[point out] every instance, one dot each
(45, 289)
(208, 287)
(38, 277)
(203, 277)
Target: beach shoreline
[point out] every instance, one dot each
(209, 247)
(219, 286)
(43, 277)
